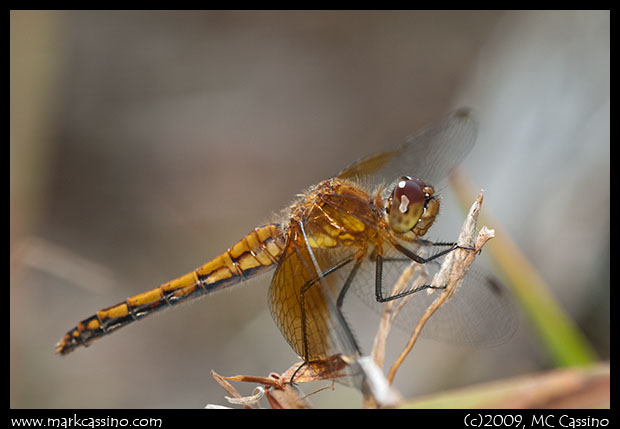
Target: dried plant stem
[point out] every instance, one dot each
(278, 392)
(451, 274)
(228, 387)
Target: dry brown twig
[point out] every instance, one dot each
(278, 392)
(222, 381)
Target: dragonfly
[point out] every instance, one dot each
(354, 231)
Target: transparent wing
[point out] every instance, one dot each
(429, 155)
(311, 325)
(481, 313)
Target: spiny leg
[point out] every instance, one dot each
(422, 242)
(453, 244)
(425, 242)
(304, 363)
(421, 260)
(305, 288)
(416, 258)
(379, 287)
(347, 283)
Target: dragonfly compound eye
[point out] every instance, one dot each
(406, 204)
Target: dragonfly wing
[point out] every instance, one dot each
(311, 323)
(429, 155)
(481, 313)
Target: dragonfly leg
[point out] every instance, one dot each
(421, 260)
(347, 284)
(429, 243)
(313, 282)
(379, 286)
(425, 242)
(304, 363)
(306, 287)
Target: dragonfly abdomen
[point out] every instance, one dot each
(257, 252)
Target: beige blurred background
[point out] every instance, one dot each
(145, 143)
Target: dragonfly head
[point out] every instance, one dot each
(411, 206)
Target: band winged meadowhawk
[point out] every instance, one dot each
(350, 232)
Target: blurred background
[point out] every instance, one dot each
(145, 143)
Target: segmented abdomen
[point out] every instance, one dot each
(257, 252)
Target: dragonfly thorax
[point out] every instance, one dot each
(411, 206)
